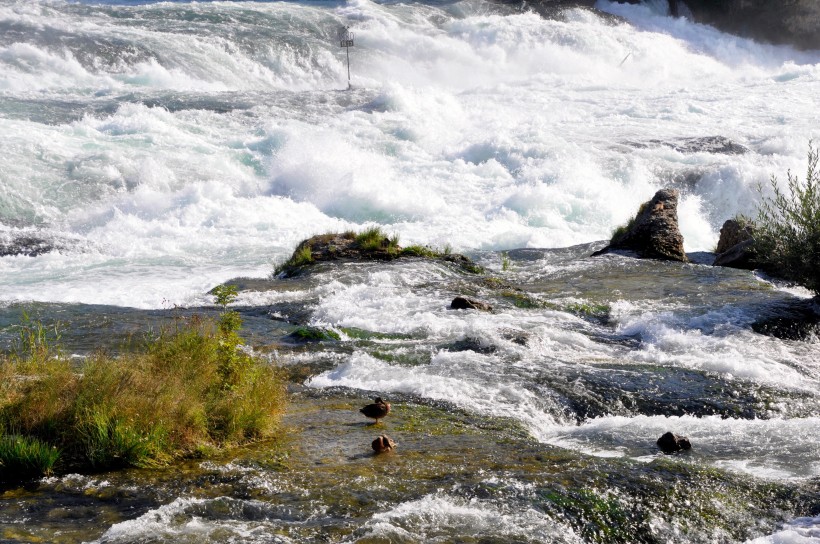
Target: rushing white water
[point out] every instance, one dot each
(161, 148)
(165, 147)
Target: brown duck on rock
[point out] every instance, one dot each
(377, 410)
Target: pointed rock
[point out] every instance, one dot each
(654, 232)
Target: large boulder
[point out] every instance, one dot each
(735, 247)
(654, 232)
(733, 232)
(794, 22)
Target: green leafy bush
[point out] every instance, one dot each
(787, 232)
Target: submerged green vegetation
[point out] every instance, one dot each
(191, 389)
(787, 230)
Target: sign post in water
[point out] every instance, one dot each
(346, 41)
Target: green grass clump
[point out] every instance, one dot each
(420, 251)
(588, 310)
(23, 458)
(191, 388)
(374, 239)
(303, 256)
(787, 231)
(621, 230)
(314, 334)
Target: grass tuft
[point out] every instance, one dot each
(192, 388)
(23, 458)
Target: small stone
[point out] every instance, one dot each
(671, 443)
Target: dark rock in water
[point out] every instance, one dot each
(30, 246)
(383, 444)
(735, 248)
(670, 443)
(463, 262)
(464, 303)
(799, 320)
(741, 256)
(704, 144)
(732, 233)
(709, 144)
(654, 232)
(794, 22)
(472, 344)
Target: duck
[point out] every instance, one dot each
(377, 410)
(383, 444)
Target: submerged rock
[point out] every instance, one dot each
(383, 444)
(670, 443)
(464, 303)
(653, 233)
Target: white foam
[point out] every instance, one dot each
(797, 531)
(476, 130)
(778, 449)
(440, 517)
(187, 518)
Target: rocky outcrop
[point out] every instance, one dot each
(654, 232)
(671, 443)
(735, 247)
(30, 246)
(370, 245)
(464, 303)
(794, 22)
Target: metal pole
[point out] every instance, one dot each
(348, 67)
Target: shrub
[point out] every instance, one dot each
(23, 458)
(787, 234)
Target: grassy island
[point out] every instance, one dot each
(190, 390)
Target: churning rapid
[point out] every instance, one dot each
(153, 150)
(162, 148)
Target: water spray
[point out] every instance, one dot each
(346, 41)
